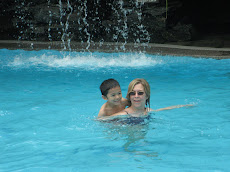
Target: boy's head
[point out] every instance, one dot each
(107, 85)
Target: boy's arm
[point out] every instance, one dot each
(173, 107)
(118, 115)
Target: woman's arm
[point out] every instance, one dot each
(173, 107)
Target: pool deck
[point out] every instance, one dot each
(159, 49)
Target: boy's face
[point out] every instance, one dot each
(114, 96)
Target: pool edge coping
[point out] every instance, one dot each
(152, 48)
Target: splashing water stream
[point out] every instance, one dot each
(79, 16)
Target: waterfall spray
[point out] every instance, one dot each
(50, 23)
(86, 24)
(65, 25)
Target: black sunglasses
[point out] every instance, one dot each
(133, 93)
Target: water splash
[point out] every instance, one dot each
(66, 35)
(24, 25)
(20, 14)
(141, 31)
(121, 28)
(50, 22)
(86, 25)
(84, 60)
(78, 20)
(83, 24)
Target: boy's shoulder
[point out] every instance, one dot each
(125, 102)
(102, 111)
(105, 110)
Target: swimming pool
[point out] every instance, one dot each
(49, 101)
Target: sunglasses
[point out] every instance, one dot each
(133, 93)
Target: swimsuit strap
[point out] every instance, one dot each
(147, 110)
(127, 112)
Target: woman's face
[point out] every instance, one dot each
(138, 96)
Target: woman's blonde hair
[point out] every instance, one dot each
(146, 86)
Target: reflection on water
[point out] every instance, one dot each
(133, 135)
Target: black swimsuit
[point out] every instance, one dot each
(135, 120)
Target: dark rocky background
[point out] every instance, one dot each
(195, 23)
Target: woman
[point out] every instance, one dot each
(139, 97)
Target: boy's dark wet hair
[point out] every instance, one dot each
(107, 85)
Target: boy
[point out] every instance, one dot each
(111, 91)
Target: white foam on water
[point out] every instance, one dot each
(86, 60)
(4, 113)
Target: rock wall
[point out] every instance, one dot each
(93, 21)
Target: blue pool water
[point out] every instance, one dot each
(49, 101)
